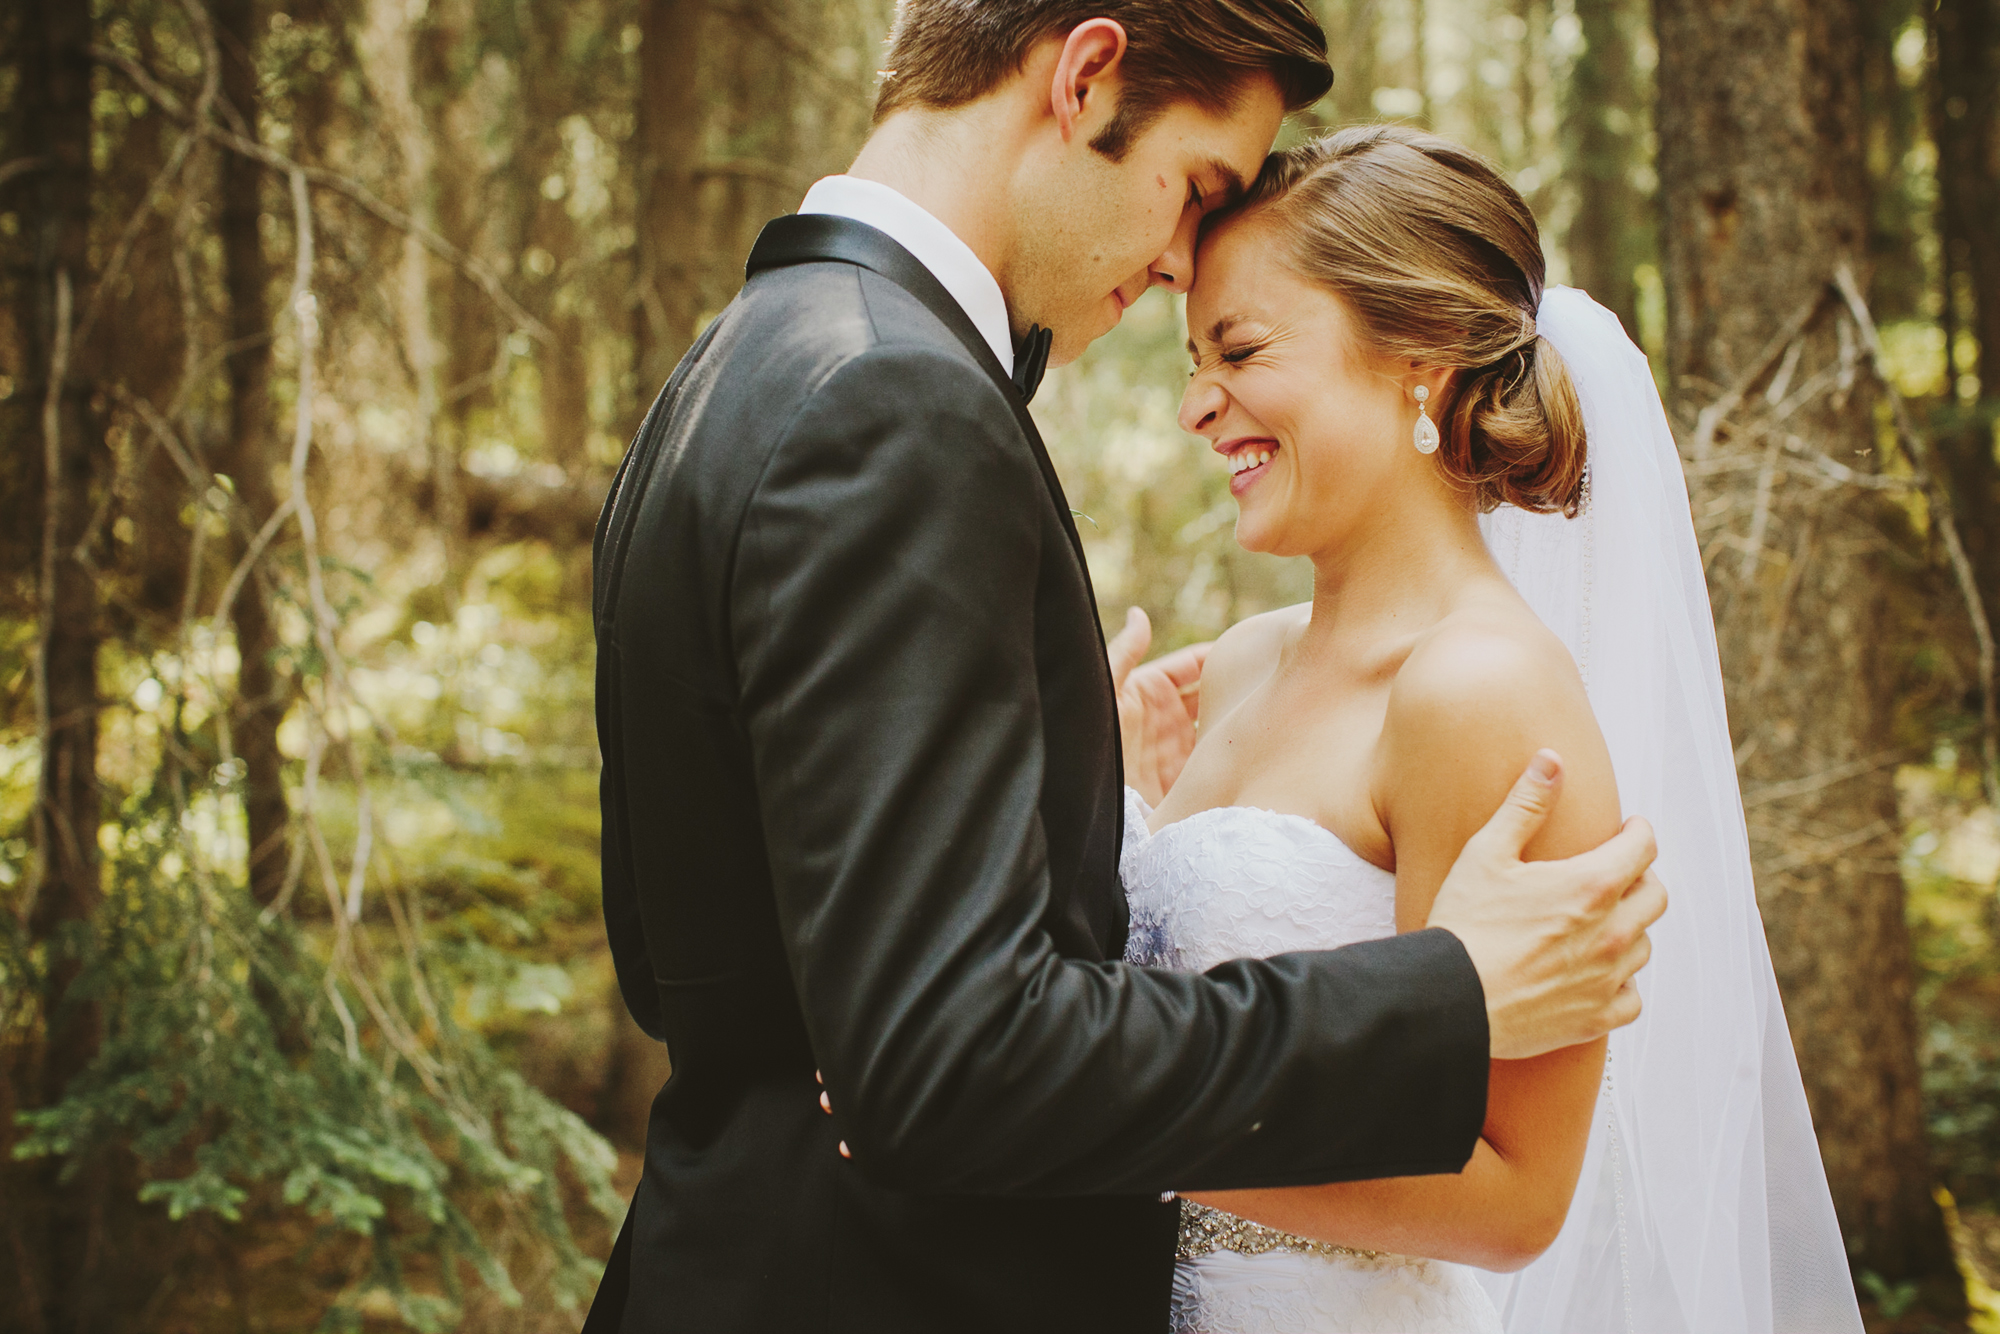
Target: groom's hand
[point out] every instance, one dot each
(1556, 943)
(1158, 705)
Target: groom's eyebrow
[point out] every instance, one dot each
(1232, 181)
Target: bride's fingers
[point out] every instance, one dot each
(1172, 732)
(1183, 666)
(1127, 648)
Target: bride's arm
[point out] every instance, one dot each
(1467, 712)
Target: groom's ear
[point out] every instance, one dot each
(1084, 89)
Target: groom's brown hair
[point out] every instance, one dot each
(945, 53)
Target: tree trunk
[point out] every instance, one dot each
(1604, 119)
(1965, 124)
(1965, 38)
(262, 694)
(1764, 192)
(1895, 112)
(1353, 29)
(390, 40)
(56, 94)
(668, 136)
(1420, 61)
(1533, 93)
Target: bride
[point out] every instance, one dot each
(1481, 474)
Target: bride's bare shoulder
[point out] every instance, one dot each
(1491, 655)
(1479, 693)
(1245, 656)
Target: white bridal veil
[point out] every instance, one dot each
(1703, 1207)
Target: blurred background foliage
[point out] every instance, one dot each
(306, 1017)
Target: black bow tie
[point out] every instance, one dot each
(1030, 360)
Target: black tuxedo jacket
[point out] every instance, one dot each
(862, 806)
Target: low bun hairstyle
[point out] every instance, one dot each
(1440, 260)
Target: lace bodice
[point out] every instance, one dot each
(1240, 882)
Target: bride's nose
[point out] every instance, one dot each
(1201, 405)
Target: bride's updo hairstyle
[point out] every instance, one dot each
(1440, 261)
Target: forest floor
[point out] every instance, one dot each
(1976, 1235)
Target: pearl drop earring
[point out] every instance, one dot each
(1426, 434)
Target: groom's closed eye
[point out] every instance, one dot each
(1226, 184)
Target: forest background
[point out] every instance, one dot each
(324, 325)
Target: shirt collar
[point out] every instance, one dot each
(934, 245)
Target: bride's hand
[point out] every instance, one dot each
(1158, 705)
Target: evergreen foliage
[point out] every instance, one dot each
(333, 1071)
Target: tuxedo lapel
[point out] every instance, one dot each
(816, 238)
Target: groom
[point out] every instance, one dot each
(862, 763)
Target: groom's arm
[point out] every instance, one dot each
(882, 612)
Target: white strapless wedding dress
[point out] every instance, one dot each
(1239, 882)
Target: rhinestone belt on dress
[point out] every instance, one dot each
(1205, 1231)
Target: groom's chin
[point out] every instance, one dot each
(1068, 345)
(1073, 337)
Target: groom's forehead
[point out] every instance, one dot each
(1224, 148)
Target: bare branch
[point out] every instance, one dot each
(198, 477)
(808, 60)
(765, 173)
(480, 275)
(295, 867)
(1828, 470)
(1805, 461)
(52, 487)
(20, 166)
(1825, 778)
(1760, 511)
(251, 555)
(1828, 849)
(1731, 398)
(305, 310)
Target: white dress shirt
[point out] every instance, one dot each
(935, 246)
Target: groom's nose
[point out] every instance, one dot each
(1174, 269)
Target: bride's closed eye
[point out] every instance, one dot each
(1233, 356)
